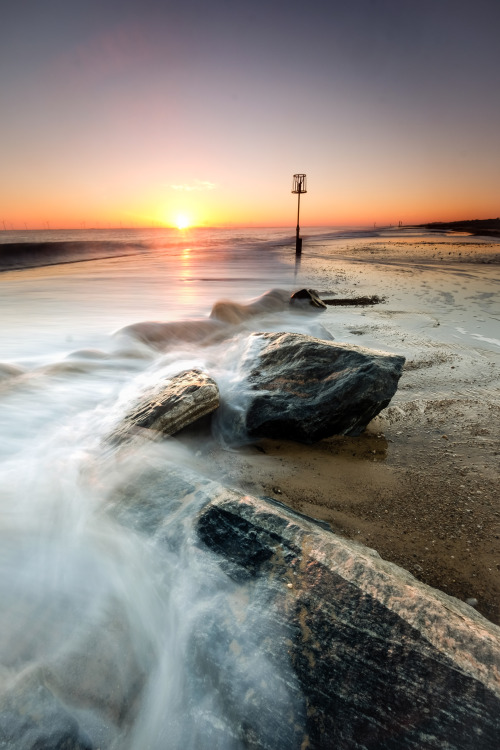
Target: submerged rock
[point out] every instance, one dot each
(274, 301)
(305, 389)
(234, 313)
(171, 406)
(161, 336)
(32, 718)
(382, 661)
(226, 318)
(8, 371)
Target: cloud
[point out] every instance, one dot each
(196, 185)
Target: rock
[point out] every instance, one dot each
(231, 692)
(9, 371)
(298, 638)
(307, 298)
(32, 718)
(362, 301)
(381, 660)
(305, 389)
(171, 406)
(234, 313)
(161, 336)
(225, 318)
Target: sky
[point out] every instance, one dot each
(139, 112)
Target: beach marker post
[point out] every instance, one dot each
(299, 187)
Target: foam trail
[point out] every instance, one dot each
(114, 619)
(135, 631)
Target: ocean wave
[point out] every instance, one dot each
(19, 255)
(20, 250)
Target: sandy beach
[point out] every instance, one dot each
(421, 485)
(157, 616)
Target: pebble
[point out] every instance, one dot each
(472, 602)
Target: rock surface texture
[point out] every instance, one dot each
(307, 298)
(171, 406)
(284, 637)
(306, 389)
(382, 661)
(32, 718)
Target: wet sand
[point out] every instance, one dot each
(421, 485)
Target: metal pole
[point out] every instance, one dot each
(298, 241)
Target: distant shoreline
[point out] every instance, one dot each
(484, 227)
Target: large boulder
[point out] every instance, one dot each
(381, 660)
(169, 407)
(305, 389)
(292, 637)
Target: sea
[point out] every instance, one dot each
(78, 287)
(100, 619)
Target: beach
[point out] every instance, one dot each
(421, 485)
(116, 608)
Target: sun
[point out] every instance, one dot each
(182, 221)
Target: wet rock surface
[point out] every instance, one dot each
(307, 298)
(32, 718)
(171, 406)
(162, 336)
(381, 660)
(306, 389)
(296, 638)
(226, 319)
(234, 313)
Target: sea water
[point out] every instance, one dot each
(97, 606)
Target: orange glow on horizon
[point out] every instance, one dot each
(182, 221)
(379, 198)
(323, 206)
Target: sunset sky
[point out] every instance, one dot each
(133, 112)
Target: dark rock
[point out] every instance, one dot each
(234, 692)
(171, 406)
(306, 389)
(373, 299)
(299, 638)
(237, 540)
(381, 660)
(307, 298)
